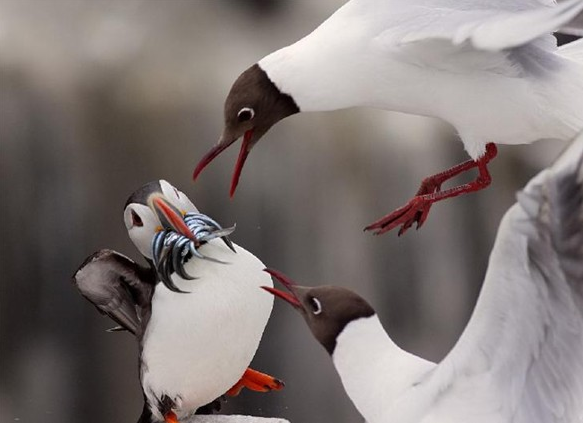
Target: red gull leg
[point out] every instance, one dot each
(417, 209)
(255, 381)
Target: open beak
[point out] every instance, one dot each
(170, 217)
(248, 143)
(290, 285)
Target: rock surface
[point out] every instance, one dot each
(234, 419)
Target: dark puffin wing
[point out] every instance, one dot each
(116, 285)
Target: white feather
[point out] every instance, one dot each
(520, 358)
(204, 340)
(489, 67)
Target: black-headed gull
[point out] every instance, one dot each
(520, 358)
(198, 321)
(491, 68)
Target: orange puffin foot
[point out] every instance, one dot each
(255, 381)
(170, 417)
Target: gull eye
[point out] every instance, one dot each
(316, 306)
(245, 114)
(136, 220)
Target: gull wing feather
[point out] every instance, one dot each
(116, 286)
(485, 26)
(573, 50)
(520, 359)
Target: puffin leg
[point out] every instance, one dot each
(417, 209)
(255, 381)
(170, 417)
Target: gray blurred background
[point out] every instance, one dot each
(99, 97)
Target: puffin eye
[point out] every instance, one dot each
(316, 306)
(245, 114)
(136, 220)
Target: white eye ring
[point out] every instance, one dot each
(242, 115)
(317, 306)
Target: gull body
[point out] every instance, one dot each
(197, 332)
(478, 65)
(491, 68)
(520, 358)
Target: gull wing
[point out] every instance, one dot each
(485, 25)
(520, 358)
(116, 286)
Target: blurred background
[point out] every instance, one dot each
(99, 97)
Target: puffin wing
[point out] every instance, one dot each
(116, 285)
(486, 26)
(520, 358)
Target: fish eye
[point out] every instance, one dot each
(245, 114)
(136, 219)
(316, 306)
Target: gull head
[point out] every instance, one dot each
(326, 309)
(252, 107)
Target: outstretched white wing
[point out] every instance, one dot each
(486, 25)
(520, 359)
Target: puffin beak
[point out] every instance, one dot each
(171, 217)
(248, 143)
(290, 285)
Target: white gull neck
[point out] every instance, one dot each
(375, 372)
(324, 70)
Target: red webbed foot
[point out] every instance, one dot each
(256, 381)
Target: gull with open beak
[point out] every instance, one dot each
(251, 112)
(520, 358)
(490, 68)
(195, 310)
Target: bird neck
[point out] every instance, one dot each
(375, 372)
(318, 79)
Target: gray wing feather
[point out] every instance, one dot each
(555, 253)
(488, 28)
(520, 358)
(116, 286)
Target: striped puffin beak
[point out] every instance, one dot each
(290, 285)
(170, 217)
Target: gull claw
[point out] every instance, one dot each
(415, 211)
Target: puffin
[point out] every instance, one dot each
(520, 357)
(196, 309)
(489, 68)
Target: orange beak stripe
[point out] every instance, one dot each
(173, 218)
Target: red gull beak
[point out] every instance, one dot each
(218, 149)
(243, 153)
(210, 156)
(288, 283)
